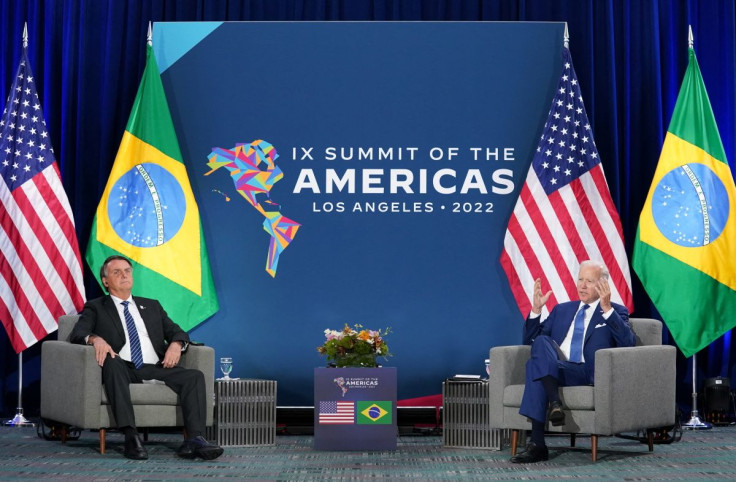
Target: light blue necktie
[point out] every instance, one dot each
(576, 345)
(136, 355)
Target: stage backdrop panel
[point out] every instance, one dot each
(361, 173)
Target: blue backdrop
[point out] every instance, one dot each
(428, 266)
(630, 56)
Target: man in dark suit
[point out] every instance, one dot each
(563, 349)
(135, 340)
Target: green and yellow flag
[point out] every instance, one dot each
(148, 212)
(374, 413)
(685, 249)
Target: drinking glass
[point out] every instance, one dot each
(226, 366)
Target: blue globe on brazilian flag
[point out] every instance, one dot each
(685, 248)
(148, 213)
(374, 413)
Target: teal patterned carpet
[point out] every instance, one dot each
(700, 455)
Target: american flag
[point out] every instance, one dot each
(337, 412)
(564, 214)
(40, 265)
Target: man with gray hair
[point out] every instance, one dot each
(563, 349)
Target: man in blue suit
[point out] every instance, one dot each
(563, 349)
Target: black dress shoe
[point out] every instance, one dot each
(556, 415)
(199, 447)
(134, 449)
(533, 453)
(186, 450)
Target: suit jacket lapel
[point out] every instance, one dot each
(596, 319)
(568, 316)
(144, 314)
(112, 312)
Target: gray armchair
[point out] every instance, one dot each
(72, 392)
(634, 389)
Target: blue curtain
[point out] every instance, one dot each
(630, 56)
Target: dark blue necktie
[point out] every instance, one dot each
(576, 345)
(136, 355)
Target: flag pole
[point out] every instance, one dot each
(694, 423)
(19, 420)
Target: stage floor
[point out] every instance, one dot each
(700, 455)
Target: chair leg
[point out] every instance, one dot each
(650, 440)
(572, 440)
(102, 441)
(145, 434)
(514, 441)
(594, 446)
(64, 433)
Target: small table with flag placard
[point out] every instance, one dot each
(355, 408)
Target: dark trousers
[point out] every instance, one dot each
(117, 374)
(545, 361)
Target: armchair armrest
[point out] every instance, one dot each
(634, 388)
(71, 384)
(202, 358)
(508, 367)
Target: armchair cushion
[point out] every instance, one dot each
(148, 394)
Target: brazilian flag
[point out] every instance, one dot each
(148, 212)
(685, 248)
(375, 413)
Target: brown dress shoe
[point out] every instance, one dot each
(556, 414)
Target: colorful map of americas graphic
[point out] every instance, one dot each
(254, 171)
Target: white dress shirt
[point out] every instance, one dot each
(149, 354)
(565, 346)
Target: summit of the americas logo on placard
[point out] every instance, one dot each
(374, 412)
(346, 383)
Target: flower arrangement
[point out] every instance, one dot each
(354, 347)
